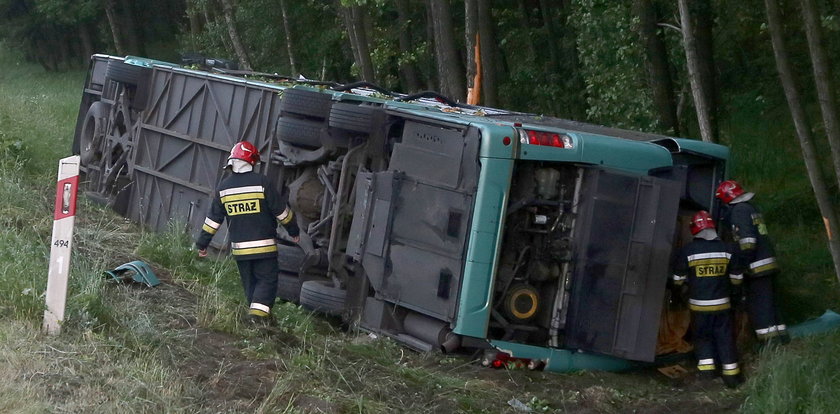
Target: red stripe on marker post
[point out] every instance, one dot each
(65, 197)
(62, 242)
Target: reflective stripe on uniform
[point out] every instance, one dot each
(253, 247)
(286, 216)
(241, 190)
(747, 243)
(764, 265)
(731, 369)
(260, 306)
(736, 279)
(707, 364)
(210, 226)
(713, 258)
(243, 196)
(765, 333)
(679, 279)
(708, 305)
(713, 255)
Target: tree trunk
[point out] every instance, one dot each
(366, 65)
(551, 30)
(233, 32)
(196, 24)
(659, 74)
(408, 71)
(449, 68)
(133, 37)
(354, 24)
(114, 24)
(693, 63)
(489, 54)
(702, 11)
(470, 39)
(803, 131)
(87, 43)
(347, 18)
(431, 66)
(287, 30)
(525, 25)
(822, 78)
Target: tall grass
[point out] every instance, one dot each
(802, 377)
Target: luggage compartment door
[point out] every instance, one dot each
(623, 248)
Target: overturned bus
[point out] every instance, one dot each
(440, 225)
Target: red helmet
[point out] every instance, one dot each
(701, 221)
(245, 151)
(728, 190)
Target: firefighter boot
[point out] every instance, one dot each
(258, 318)
(732, 381)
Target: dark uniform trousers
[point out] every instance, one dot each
(705, 266)
(713, 337)
(259, 279)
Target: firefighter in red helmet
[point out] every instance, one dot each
(252, 208)
(706, 265)
(750, 233)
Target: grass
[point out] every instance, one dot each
(792, 380)
(181, 347)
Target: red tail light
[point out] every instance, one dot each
(548, 139)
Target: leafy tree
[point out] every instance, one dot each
(612, 65)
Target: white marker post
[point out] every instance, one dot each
(62, 241)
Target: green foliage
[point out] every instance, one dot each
(535, 82)
(799, 378)
(612, 64)
(767, 161)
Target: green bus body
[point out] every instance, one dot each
(440, 225)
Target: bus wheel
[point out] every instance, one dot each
(288, 287)
(307, 103)
(93, 133)
(322, 296)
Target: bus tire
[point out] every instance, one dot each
(350, 117)
(126, 73)
(93, 133)
(300, 132)
(290, 258)
(307, 103)
(288, 287)
(321, 296)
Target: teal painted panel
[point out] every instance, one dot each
(485, 241)
(637, 157)
(564, 360)
(474, 302)
(493, 140)
(706, 148)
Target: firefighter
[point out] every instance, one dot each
(750, 233)
(252, 208)
(706, 266)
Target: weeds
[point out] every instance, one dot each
(802, 377)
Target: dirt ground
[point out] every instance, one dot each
(231, 381)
